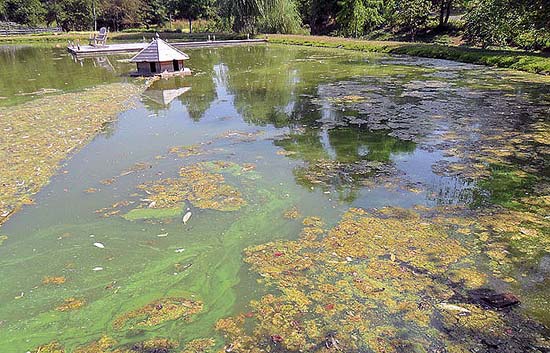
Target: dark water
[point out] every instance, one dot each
(326, 130)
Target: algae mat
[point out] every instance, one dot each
(38, 135)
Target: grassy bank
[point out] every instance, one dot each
(56, 38)
(517, 60)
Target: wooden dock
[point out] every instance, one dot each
(123, 48)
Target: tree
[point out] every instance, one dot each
(412, 15)
(323, 16)
(120, 14)
(242, 13)
(28, 12)
(153, 13)
(281, 17)
(509, 22)
(444, 8)
(3, 15)
(191, 10)
(358, 16)
(75, 15)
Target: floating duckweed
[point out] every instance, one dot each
(196, 184)
(327, 172)
(54, 280)
(39, 134)
(313, 222)
(103, 345)
(187, 151)
(158, 312)
(246, 170)
(200, 346)
(292, 213)
(473, 318)
(350, 288)
(70, 304)
(241, 136)
(52, 347)
(155, 345)
(469, 277)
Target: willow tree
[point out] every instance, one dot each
(359, 16)
(281, 17)
(246, 15)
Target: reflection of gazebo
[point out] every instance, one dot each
(166, 96)
(159, 57)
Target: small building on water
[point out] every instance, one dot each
(159, 58)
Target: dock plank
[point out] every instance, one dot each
(123, 48)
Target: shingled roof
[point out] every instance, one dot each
(159, 51)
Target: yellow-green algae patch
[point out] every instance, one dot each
(202, 184)
(381, 281)
(38, 135)
(109, 345)
(70, 304)
(200, 346)
(158, 312)
(198, 186)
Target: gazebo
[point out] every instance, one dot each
(159, 57)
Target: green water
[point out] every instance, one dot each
(287, 98)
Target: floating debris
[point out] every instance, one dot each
(99, 245)
(186, 216)
(98, 268)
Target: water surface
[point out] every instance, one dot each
(325, 130)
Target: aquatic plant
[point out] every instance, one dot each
(39, 134)
(53, 280)
(352, 287)
(70, 304)
(52, 347)
(158, 312)
(200, 346)
(202, 184)
(292, 213)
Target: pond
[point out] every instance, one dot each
(331, 200)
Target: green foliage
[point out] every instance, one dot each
(509, 22)
(75, 15)
(154, 13)
(413, 15)
(24, 11)
(281, 17)
(359, 16)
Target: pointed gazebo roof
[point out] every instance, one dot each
(159, 51)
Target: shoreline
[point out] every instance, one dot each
(517, 60)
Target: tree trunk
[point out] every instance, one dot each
(442, 13)
(448, 10)
(190, 26)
